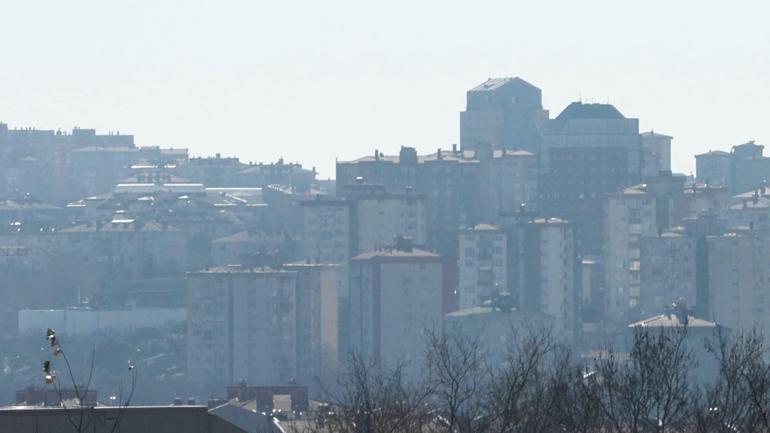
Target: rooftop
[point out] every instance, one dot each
(120, 225)
(760, 203)
(25, 203)
(654, 134)
(484, 227)
(493, 84)
(488, 309)
(671, 234)
(579, 110)
(549, 221)
(672, 320)
(713, 153)
(251, 236)
(391, 252)
(460, 156)
(239, 269)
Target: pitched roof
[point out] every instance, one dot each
(672, 320)
(495, 83)
(485, 310)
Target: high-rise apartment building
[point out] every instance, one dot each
(379, 217)
(749, 168)
(668, 271)
(713, 168)
(396, 294)
(326, 230)
(588, 151)
(319, 290)
(461, 188)
(506, 113)
(482, 265)
(630, 217)
(546, 274)
(739, 271)
(241, 325)
(656, 154)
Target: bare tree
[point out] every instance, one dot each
(739, 398)
(457, 379)
(371, 398)
(517, 398)
(576, 395)
(652, 390)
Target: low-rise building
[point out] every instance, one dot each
(77, 322)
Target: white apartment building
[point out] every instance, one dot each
(630, 216)
(483, 264)
(396, 294)
(326, 230)
(241, 325)
(739, 280)
(380, 218)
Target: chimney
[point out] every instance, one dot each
(404, 244)
(682, 313)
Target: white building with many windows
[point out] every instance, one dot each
(482, 265)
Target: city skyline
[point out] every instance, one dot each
(231, 79)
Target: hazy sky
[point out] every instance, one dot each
(311, 81)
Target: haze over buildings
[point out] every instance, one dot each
(224, 273)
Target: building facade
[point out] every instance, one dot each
(483, 260)
(739, 292)
(630, 217)
(319, 294)
(656, 153)
(241, 325)
(713, 168)
(546, 276)
(461, 188)
(588, 151)
(506, 113)
(668, 271)
(396, 294)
